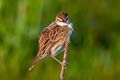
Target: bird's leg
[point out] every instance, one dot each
(56, 59)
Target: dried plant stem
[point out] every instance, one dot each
(64, 61)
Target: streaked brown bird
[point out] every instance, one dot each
(52, 39)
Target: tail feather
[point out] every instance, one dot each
(31, 67)
(36, 60)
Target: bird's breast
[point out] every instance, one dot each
(58, 47)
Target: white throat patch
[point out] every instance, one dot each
(62, 23)
(66, 24)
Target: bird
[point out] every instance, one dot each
(52, 38)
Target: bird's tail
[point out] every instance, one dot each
(35, 61)
(38, 58)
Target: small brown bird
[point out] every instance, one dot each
(52, 39)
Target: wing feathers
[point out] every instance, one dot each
(49, 38)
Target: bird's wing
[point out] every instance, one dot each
(49, 37)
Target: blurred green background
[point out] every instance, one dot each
(94, 53)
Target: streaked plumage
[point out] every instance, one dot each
(52, 39)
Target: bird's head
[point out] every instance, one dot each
(62, 17)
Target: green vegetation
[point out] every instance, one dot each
(94, 53)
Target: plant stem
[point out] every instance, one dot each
(64, 61)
